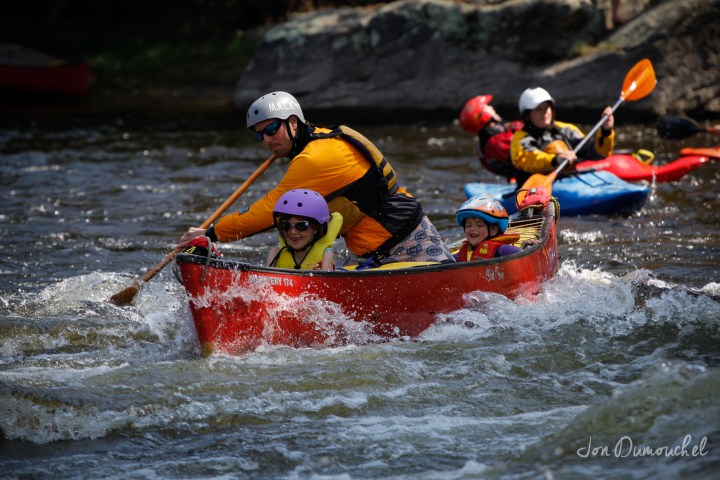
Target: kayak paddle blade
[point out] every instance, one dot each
(537, 180)
(675, 128)
(639, 81)
(713, 153)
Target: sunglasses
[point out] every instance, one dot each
(299, 226)
(269, 130)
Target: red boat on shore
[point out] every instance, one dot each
(237, 307)
(29, 71)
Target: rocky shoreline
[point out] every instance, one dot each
(416, 59)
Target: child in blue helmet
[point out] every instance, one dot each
(307, 232)
(484, 221)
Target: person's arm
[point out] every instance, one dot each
(605, 139)
(506, 250)
(328, 262)
(271, 255)
(590, 151)
(527, 156)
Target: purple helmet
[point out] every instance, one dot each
(303, 203)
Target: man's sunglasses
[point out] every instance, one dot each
(269, 130)
(299, 226)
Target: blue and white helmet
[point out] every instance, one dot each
(486, 208)
(274, 105)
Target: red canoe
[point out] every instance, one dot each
(30, 71)
(629, 168)
(237, 306)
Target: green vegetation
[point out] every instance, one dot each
(127, 67)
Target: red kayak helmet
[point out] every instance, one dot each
(303, 203)
(473, 116)
(486, 208)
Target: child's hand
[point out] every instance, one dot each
(528, 243)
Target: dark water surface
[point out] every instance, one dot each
(612, 372)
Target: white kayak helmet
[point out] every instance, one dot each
(532, 97)
(274, 105)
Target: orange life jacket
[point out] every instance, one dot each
(485, 249)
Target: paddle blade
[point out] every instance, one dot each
(673, 128)
(639, 81)
(536, 180)
(126, 296)
(702, 152)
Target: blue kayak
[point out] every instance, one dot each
(588, 193)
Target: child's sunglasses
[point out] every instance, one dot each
(299, 226)
(269, 130)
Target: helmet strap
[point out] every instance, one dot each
(299, 140)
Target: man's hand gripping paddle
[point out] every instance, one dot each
(126, 296)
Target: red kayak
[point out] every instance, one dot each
(237, 306)
(632, 167)
(30, 71)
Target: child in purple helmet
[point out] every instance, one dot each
(307, 232)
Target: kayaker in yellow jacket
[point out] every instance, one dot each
(544, 143)
(383, 223)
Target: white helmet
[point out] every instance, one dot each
(532, 97)
(274, 105)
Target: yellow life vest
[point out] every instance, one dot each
(313, 260)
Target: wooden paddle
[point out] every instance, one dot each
(126, 296)
(639, 82)
(674, 128)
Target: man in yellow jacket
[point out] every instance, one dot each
(383, 223)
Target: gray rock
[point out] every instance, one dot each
(422, 59)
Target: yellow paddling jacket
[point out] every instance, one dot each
(313, 260)
(355, 179)
(530, 152)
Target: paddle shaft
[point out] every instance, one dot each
(209, 221)
(127, 295)
(584, 140)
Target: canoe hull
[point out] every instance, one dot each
(237, 307)
(587, 193)
(68, 80)
(33, 72)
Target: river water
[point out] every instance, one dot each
(612, 372)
